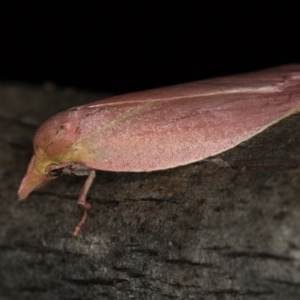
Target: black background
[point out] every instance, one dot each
(126, 46)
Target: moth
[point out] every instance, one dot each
(159, 128)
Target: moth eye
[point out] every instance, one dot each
(54, 170)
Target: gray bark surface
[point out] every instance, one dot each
(223, 228)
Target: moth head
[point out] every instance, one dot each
(52, 146)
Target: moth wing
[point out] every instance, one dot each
(173, 126)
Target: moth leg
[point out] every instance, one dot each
(82, 203)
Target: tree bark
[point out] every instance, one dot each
(226, 227)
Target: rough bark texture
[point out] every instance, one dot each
(224, 228)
